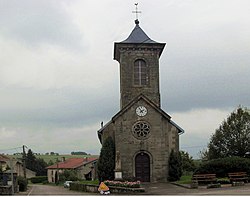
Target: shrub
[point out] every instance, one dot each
(128, 184)
(221, 167)
(38, 179)
(106, 162)
(175, 166)
(68, 175)
(23, 183)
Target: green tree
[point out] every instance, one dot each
(30, 160)
(175, 166)
(232, 138)
(36, 165)
(188, 164)
(68, 175)
(106, 162)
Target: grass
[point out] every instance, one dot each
(94, 182)
(185, 179)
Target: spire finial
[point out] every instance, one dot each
(136, 14)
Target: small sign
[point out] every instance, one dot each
(103, 189)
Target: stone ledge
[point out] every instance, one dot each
(112, 189)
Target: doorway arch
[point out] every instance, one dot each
(142, 167)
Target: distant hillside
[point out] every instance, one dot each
(54, 158)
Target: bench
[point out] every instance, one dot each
(204, 178)
(238, 176)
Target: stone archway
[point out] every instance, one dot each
(142, 167)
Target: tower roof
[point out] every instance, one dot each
(137, 38)
(138, 35)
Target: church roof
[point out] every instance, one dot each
(141, 96)
(138, 36)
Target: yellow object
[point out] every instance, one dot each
(103, 187)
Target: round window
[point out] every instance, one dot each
(141, 130)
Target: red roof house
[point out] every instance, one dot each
(85, 168)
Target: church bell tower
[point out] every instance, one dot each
(138, 56)
(144, 135)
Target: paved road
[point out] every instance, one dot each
(151, 189)
(42, 190)
(170, 189)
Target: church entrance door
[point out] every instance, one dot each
(142, 167)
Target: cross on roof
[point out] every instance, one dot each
(136, 11)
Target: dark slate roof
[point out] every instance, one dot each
(138, 36)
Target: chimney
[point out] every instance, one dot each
(63, 159)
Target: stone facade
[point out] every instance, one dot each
(85, 168)
(143, 133)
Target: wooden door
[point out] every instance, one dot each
(142, 167)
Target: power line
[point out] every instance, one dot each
(9, 149)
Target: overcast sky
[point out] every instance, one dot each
(58, 79)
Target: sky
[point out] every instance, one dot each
(58, 79)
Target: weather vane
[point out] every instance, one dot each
(136, 11)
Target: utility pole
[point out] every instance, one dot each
(24, 161)
(12, 176)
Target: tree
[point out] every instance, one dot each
(175, 166)
(68, 175)
(106, 162)
(188, 164)
(232, 138)
(30, 160)
(36, 165)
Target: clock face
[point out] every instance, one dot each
(141, 111)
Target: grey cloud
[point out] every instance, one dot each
(65, 107)
(39, 22)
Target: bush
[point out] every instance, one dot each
(221, 167)
(175, 166)
(106, 162)
(136, 184)
(23, 183)
(38, 179)
(68, 175)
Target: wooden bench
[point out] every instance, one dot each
(238, 176)
(204, 178)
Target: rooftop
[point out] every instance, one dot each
(72, 163)
(138, 35)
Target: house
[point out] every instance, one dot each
(85, 168)
(6, 163)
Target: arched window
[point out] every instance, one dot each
(140, 73)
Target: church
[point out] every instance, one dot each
(143, 133)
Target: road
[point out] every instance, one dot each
(42, 190)
(151, 189)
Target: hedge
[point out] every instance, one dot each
(23, 183)
(221, 167)
(38, 179)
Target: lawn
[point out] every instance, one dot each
(186, 179)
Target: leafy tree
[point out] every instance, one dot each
(50, 163)
(106, 162)
(175, 166)
(36, 165)
(232, 138)
(41, 167)
(79, 153)
(68, 175)
(30, 160)
(188, 164)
